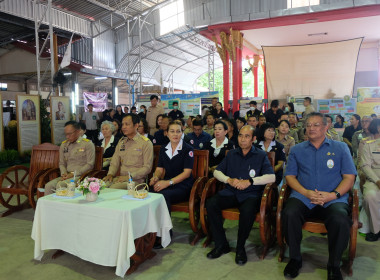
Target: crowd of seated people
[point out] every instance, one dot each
(128, 141)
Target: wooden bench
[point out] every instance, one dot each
(265, 217)
(317, 226)
(55, 172)
(23, 181)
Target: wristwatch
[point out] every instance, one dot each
(337, 194)
(251, 181)
(171, 183)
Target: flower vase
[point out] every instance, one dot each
(90, 196)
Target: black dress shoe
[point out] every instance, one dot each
(292, 268)
(217, 252)
(241, 257)
(371, 237)
(333, 273)
(157, 243)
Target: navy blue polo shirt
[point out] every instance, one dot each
(160, 138)
(320, 169)
(175, 166)
(198, 142)
(175, 115)
(236, 165)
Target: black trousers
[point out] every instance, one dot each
(248, 209)
(335, 218)
(92, 135)
(175, 194)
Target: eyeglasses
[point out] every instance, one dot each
(316, 125)
(70, 133)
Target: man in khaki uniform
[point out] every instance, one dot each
(308, 107)
(370, 166)
(209, 126)
(361, 134)
(133, 154)
(153, 111)
(76, 154)
(331, 132)
(296, 128)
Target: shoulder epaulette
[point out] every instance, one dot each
(328, 134)
(290, 137)
(370, 141)
(63, 142)
(86, 140)
(366, 138)
(145, 138)
(122, 138)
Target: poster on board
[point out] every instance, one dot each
(60, 112)
(28, 121)
(1, 126)
(98, 99)
(368, 101)
(345, 107)
(297, 101)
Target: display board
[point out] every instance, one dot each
(60, 112)
(98, 99)
(1, 126)
(368, 101)
(345, 107)
(28, 121)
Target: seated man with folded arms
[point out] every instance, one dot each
(76, 154)
(245, 171)
(133, 154)
(320, 172)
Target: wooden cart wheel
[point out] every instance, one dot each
(14, 187)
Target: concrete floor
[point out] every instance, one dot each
(178, 261)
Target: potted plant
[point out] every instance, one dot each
(91, 187)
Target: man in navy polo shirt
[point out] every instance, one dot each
(175, 114)
(245, 171)
(198, 137)
(320, 172)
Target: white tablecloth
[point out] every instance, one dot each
(102, 232)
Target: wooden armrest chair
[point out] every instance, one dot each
(55, 172)
(18, 183)
(317, 226)
(265, 217)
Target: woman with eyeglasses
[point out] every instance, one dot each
(266, 142)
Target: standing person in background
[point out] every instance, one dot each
(339, 122)
(219, 113)
(253, 111)
(350, 130)
(274, 113)
(308, 107)
(119, 114)
(175, 114)
(112, 114)
(134, 110)
(91, 118)
(153, 111)
(126, 110)
(142, 112)
(212, 108)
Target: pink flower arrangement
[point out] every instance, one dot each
(93, 185)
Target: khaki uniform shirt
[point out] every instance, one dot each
(333, 135)
(151, 116)
(188, 130)
(309, 109)
(288, 142)
(356, 138)
(360, 150)
(209, 130)
(78, 156)
(370, 159)
(134, 155)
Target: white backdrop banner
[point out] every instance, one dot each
(322, 70)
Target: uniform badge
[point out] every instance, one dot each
(81, 150)
(191, 154)
(201, 145)
(330, 163)
(191, 141)
(252, 173)
(328, 153)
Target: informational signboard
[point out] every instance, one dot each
(1, 126)
(60, 114)
(28, 121)
(345, 107)
(368, 101)
(206, 100)
(98, 99)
